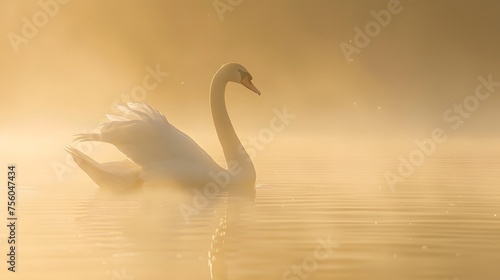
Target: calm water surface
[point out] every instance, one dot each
(441, 223)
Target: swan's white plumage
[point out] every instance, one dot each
(157, 149)
(118, 175)
(146, 137)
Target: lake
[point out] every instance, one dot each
(311, 218)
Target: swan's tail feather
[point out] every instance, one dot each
(88, 137)
(86, 163)
(112, 117)
(117, 176)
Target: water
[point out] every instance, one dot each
(443, 222)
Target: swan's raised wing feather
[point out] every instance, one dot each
(145, 136)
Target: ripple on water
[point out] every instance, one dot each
(441, 223)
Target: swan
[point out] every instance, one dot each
(157, 151)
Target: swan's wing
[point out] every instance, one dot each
(144, 135)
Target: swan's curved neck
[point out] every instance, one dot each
(237, 158)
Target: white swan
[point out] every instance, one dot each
(158, 151)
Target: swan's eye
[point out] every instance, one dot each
(245, 75)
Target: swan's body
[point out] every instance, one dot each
(158, 151)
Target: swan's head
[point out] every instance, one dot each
(237, 73)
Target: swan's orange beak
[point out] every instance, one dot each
(248, 84)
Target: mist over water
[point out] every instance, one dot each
(389, 153)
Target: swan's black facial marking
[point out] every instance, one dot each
(245, 75)
(246, 80)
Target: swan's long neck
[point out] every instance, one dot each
(234, 152)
